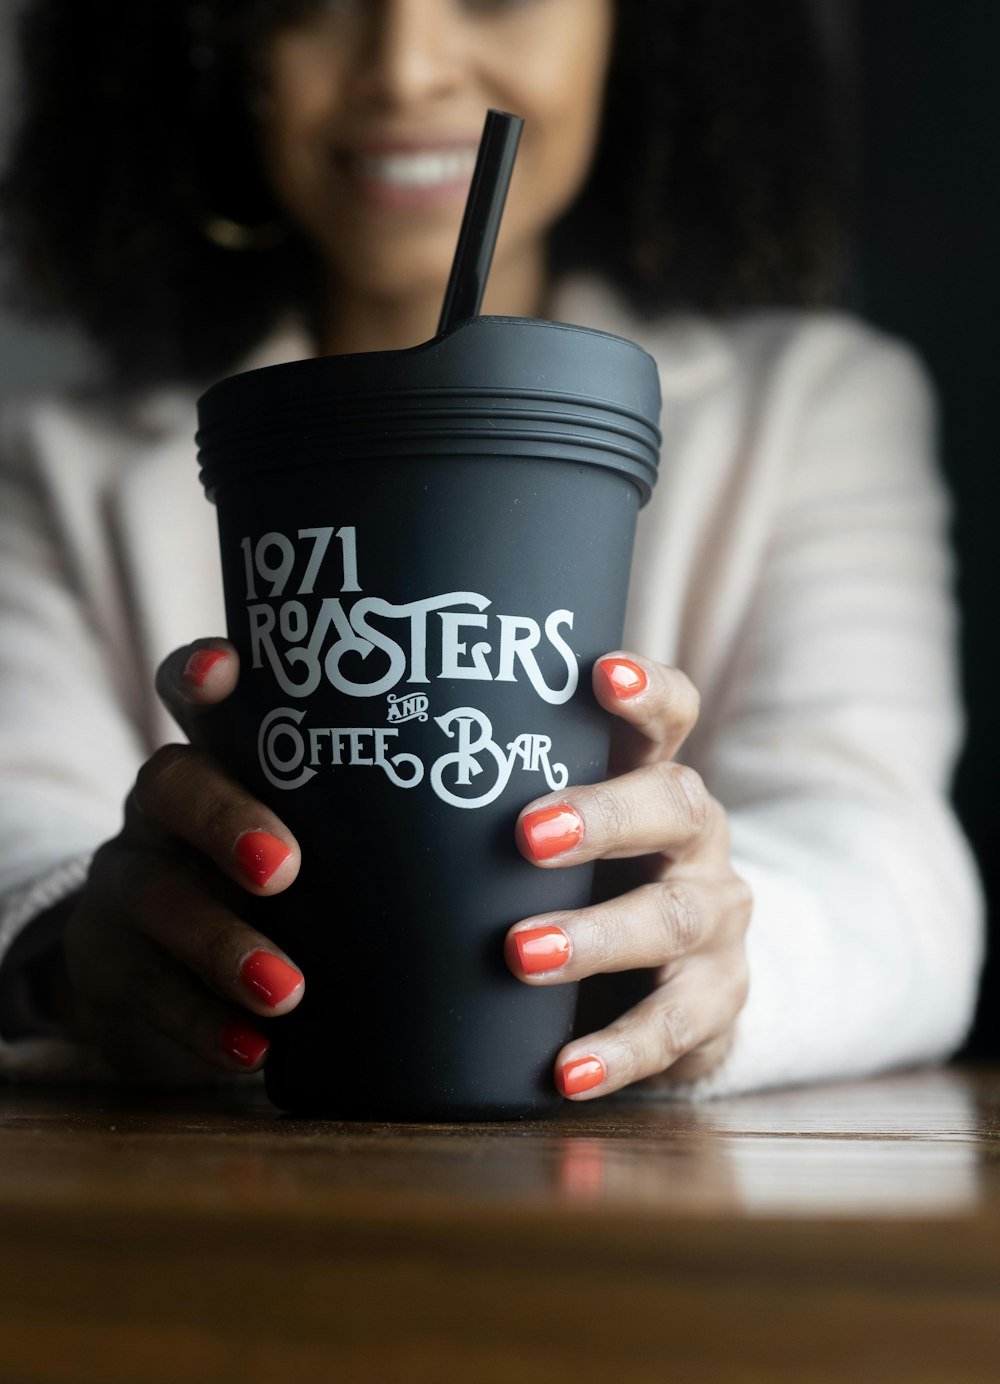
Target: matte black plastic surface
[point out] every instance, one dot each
(494, 386)
(444, 635)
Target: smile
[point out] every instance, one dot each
(419, 169)
(413, 178)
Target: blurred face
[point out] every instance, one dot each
(375, 111)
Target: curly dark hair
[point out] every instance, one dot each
(716, 184)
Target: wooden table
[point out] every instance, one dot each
(846, 1232)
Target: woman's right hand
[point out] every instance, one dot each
(164, 977)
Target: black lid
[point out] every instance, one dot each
(491, 386)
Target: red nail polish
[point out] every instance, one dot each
(552, 830)
(542, 949)
(200, 664)
(270, 978)
(627, 679)
(260, 854)
(245, 1044)
(581, 1075)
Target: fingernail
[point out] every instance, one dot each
(259, 855)
(542, 949)
(270, 978)
(552, 830)
(581, 1075)
(246, 1045)
(627, 679)
(200, 664)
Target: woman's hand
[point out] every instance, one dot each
(165, 979)
(687, 921)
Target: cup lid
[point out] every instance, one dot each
(489, 386)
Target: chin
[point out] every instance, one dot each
(386, 285)
(395, 266)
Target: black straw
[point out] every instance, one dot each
(481, 224)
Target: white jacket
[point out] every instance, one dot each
(794, 561)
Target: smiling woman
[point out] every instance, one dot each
(714, 132)
(227, 184)
(369, 130)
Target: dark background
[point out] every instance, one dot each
(921, 102)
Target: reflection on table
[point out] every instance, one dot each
(800, 1235)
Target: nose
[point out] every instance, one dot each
(411, 52)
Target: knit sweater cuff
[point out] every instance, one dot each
(28, 929)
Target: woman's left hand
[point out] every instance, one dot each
(688, 922)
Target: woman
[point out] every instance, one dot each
(790, 626)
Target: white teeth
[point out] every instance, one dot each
(426, 168)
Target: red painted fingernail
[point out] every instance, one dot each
(552, 830)
(270, 978)
(245, 1044)
(200, 664)
(260, 854)
(542, 949)
(581, 1075)
(627, 679)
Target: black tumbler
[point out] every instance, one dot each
(423, 552)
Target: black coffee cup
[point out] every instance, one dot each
(423, 553)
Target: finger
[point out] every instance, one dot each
(193, 680)
(141, 1054)
(693, 1009)
(183, 792)
(659, 704)
(168, 902)
(137, 983)
(697, 1063)
(661, 807)
(652, 926)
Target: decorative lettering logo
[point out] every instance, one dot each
(310, 750)
(369, 646)
(283, 724)
(407, 708)
(474, 732)
(366, 647)
(332, 747)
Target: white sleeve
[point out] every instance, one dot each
(66, 743)
(835, 745)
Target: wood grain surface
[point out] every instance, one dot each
(839, 1231)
